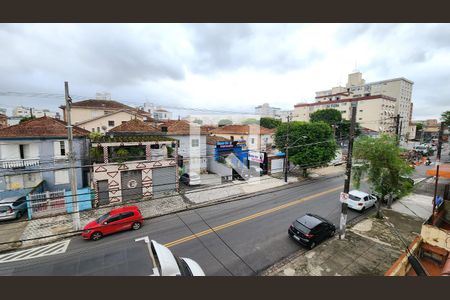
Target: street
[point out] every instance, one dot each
(249, 235)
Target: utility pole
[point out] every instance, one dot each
(71, 155)
(438, 162)
(286, 157)
(348, 173)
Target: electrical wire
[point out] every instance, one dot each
(207, 249)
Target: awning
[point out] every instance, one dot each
(444, 171)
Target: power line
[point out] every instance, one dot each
(132, 201)
(207, 249)
(226, 244)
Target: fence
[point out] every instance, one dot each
(47, 203)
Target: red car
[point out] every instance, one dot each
(119, 219)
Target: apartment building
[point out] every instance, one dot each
(266, 110)
(23, 112)
(399, 89)
(373, 112)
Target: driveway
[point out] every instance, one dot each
(11, 231)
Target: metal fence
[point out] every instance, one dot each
(47, 203)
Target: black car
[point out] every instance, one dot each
(310, 230)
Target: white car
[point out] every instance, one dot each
(360, 201)
(167, 264)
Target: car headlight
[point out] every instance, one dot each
(86, 231)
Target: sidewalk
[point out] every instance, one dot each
(369, 249)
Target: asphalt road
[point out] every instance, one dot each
(250, 235)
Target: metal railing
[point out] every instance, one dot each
(19, 163)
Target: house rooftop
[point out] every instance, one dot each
(212, 139)
(180, 127)
(243, 129)
(44, 127)
(99, 104)
(135, 126)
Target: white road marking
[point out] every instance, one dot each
(46, 250)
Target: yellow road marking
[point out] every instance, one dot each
(250, 217)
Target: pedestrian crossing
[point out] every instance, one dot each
(46, 250)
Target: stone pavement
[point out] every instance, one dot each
(370, 247)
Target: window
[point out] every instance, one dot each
(195, 143)
(111, 123)
(360, 119)
(22, 152)
(360, 110)
(61, 177)
(19, 201)
(98, 129)
(253, 140)
(123, 122)
(113, 219)
(164, 129)
(62, 147)
(232, 138)
(126, 215)
(93, 130)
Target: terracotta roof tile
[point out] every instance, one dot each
(242, 129)
(40, 127)
(136, 126)
(180, 127)
(212, 139)
(95, 103)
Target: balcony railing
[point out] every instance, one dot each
(19, 163)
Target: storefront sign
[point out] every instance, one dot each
(256, 156)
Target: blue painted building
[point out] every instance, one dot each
(36, 151)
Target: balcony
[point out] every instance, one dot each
(19, 163)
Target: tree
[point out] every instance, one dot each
(310, 144)
(379, 159)
(333, 118)
(225, 122)
(419, 126)
(445, 117)
(250, 121)
(26, 119)
(330, 116)
(269, 122)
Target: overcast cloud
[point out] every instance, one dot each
(221, 66)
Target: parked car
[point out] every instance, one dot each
(190, 178)
(167, 264)
(13, 208)
(360, 201)
(311, 229)
(116, 220)
(423, 149)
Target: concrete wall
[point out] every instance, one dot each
(436, 236)
(111, 172)
(194, 157)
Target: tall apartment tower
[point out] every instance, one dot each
(398, 88)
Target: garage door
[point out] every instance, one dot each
(131, 185)
(164, 180)
(277, 166)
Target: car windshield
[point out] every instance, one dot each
(300, 227)
(183, 266)
(353, 197)
(102, 218)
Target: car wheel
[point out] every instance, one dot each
(333, 232)
(19, 215)
(363, 209)
(96, 236)
(312, 245)
(136, 225)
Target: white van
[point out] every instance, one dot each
(360, 201)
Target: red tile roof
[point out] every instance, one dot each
(180, 127)
(212, 139)
(346, 100)
(102, 104)
(135, 126)
(242, 129)
(40, 127)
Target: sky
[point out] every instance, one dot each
(232, 67)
